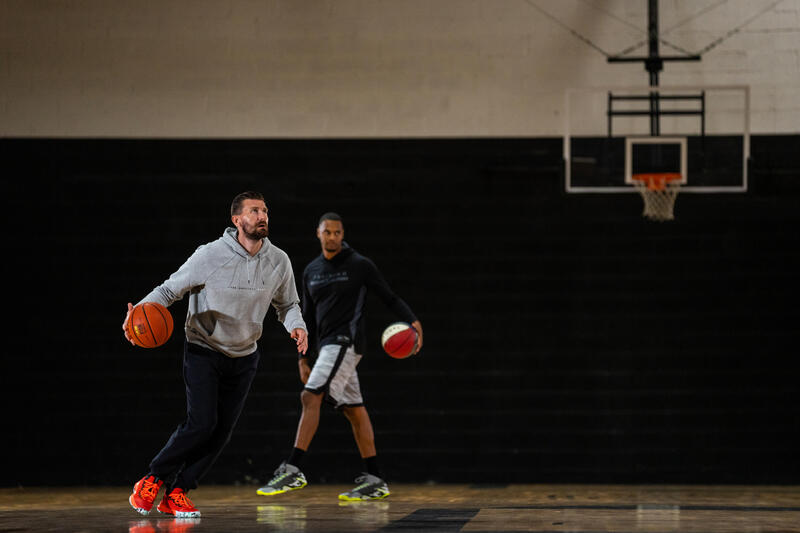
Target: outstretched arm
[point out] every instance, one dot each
(377, 283)
(287, 304)
(173, 289)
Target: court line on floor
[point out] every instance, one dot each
(651, 507)
(433, 519)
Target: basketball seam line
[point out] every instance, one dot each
(165, 323)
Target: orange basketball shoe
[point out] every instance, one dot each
(178, 504)
(144, 494)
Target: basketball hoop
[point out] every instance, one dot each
(659, 190)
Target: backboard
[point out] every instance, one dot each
(612, 133)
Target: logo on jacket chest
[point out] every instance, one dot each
(326, 278)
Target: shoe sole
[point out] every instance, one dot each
(279, 491)
(181, 514)
(346, 498)
(139, 510)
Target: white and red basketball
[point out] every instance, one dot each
(400, 340)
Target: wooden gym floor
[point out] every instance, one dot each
(434, 508)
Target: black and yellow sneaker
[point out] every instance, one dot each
(287, 477)
(369, 488)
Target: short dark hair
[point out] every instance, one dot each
(236, 205)
(330, 216)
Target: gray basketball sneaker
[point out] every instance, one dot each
(287, 477)
(369, 488)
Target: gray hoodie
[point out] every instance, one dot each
(230, 293)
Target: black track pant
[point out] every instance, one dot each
(216, 389)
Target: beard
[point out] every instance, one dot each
(255, 232)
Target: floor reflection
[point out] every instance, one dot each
(284, 518)
(662, 517)
(165, 525)
(368, 514)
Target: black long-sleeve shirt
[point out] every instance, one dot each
(334, 297)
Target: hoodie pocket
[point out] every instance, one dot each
(235, 334)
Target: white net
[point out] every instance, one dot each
(659, 196)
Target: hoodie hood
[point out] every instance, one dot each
(229, 238)
(345, 252)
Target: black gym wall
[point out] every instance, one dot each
(566, 338)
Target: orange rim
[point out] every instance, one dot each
(657, 181)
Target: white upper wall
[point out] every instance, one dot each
(366, 68)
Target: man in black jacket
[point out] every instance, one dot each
(334, 294)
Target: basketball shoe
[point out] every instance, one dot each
(287, 477)
(144, 494)
(369, 488)
(176, 503)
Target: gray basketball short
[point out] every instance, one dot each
(334, 374)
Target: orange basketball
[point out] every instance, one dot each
(399, 340)
(150, 325)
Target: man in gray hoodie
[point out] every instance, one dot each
(231, 282)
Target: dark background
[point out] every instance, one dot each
(567, 339)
